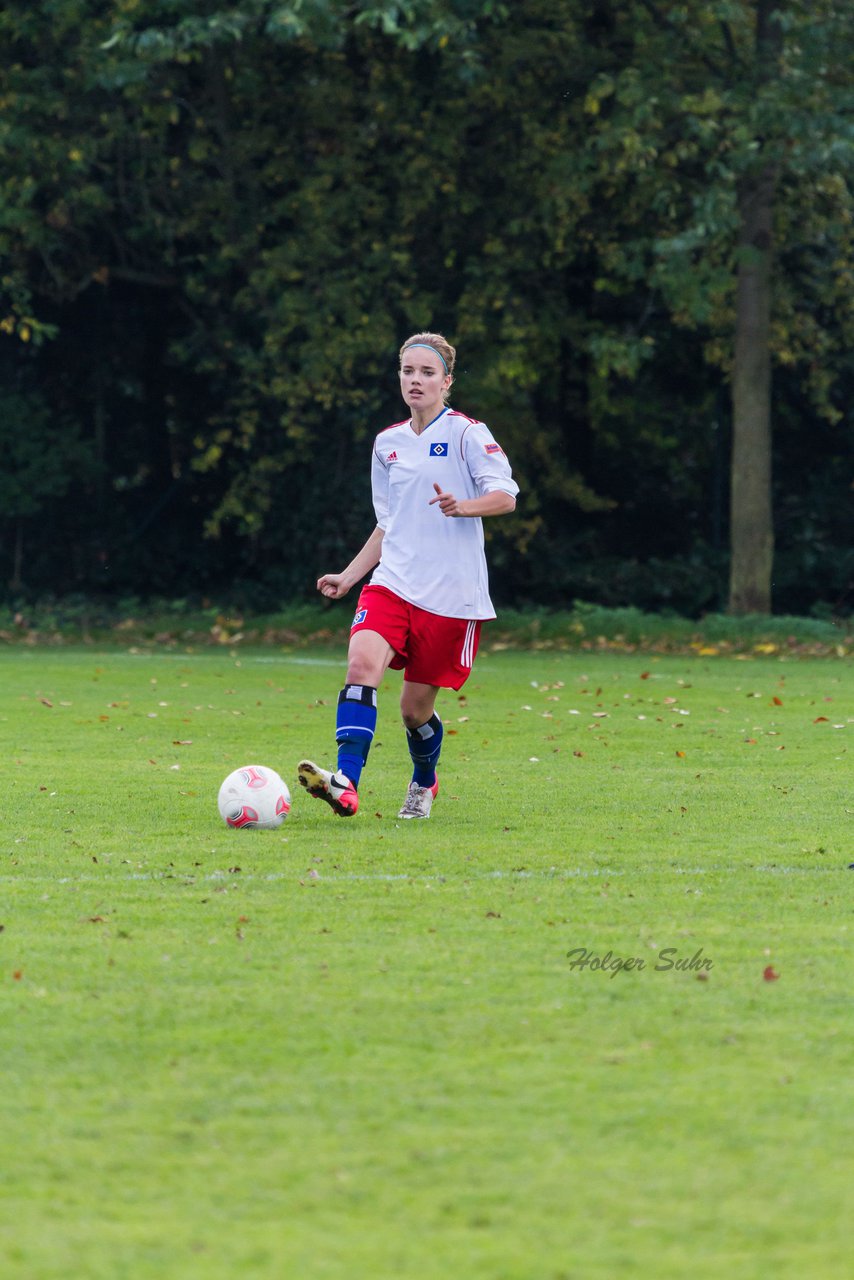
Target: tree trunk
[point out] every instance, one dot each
(15, 582)
(751, 519)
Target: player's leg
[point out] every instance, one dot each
(441, 653)
(423, 729)
(424, 740)
(356, 716)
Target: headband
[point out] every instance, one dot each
(427, 346)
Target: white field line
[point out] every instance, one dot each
(314, 876)
(207, 655)
(245, 659)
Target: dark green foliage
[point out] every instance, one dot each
(218, 221)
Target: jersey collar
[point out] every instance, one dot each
(433, 421)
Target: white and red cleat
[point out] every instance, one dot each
(419, 800)
(336, 789)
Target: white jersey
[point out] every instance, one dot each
(434, 561)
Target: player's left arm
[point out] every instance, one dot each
(495, 503)
(491, 476)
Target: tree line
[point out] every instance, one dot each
(219, 221)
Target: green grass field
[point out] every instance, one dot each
(361, 1050)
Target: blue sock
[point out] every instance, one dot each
(355, 722)
(425, 743)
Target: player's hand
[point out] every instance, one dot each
(448, 504)
(332, 586)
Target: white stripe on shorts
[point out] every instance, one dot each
(467, 655)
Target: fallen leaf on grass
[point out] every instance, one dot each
(769, 973)
(819, 719)
(182, 742)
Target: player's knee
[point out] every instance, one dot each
(416, 714)
(360, 671)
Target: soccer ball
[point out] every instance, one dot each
(255, 797)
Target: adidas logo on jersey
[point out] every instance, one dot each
(392, 457)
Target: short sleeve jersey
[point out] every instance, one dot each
(434, 561)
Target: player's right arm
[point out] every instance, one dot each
(336, 585)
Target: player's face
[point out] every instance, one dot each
(422, 379)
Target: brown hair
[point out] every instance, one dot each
(446, 353)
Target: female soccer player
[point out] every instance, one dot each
(434, 477)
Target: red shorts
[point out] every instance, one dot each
(428, 648)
